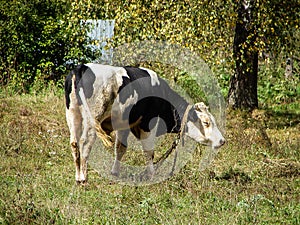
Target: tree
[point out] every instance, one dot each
(243, 83)
(261, 26)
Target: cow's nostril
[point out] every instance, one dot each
(222, 142)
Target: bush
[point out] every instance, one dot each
(37, 38)
(274, 88)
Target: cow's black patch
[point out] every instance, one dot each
(154, 101)
(78, 72)
(134, 74)
(86, 83)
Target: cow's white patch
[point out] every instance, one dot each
(122, 73)
(105, 74)
(153, 75)
(86, 108)
(147, 138)
(195, 133)
(118, 111)
(216, 136)
(130, 101)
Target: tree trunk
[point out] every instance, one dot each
(243, 84)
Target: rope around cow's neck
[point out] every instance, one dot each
(175, 143)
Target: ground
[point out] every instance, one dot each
(255, 178)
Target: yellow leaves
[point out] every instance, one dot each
(270, 21)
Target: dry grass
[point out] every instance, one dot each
(254, 179)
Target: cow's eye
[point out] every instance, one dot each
(206, 124)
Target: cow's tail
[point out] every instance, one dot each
(106, 139)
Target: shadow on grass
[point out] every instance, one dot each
(282, 119)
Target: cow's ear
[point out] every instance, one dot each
(201, 107)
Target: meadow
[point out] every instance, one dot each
(255, 178)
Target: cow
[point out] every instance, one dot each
(101, 99)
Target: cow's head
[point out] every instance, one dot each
(203, 128)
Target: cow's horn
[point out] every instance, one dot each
(201, 107)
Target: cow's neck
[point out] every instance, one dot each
(180, 108)
(185, 119)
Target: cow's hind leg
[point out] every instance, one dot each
(76, 157)
(74, 121)
(86, 143)
(120, 149)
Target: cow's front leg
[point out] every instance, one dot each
(120, 150)
(147, 140)
(149, 154)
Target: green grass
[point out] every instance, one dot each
(255, 178)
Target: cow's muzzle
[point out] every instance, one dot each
(221, 143)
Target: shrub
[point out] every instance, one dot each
(37, 38)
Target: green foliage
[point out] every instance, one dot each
(38, 37)
(191, 24)
(274, 88)
(207, 28)
(190, 85)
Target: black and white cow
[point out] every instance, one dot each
(102, 98)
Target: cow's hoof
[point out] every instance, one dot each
(115, 170)
(147, 175)
(81, 182)
(114, 173)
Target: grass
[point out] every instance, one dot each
(255, 178)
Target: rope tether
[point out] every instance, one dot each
(175, 142)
